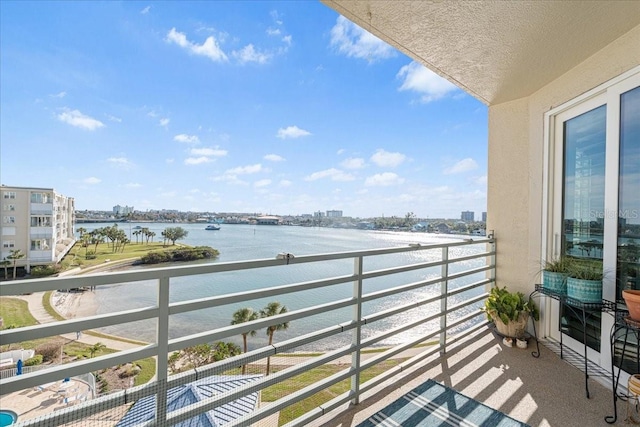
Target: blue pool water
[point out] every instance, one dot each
(7, 418)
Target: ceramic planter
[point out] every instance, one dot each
(589, 291)
(513, 329)
(555, 282)
(632, 299)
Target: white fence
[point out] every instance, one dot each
(452, 283)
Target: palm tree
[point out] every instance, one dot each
(15, 255)
(5, 263)
(273, 309)
(81, 230)
(96, 348)
(241, 316)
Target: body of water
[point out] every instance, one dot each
(250, 242)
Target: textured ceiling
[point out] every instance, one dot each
(496, 50)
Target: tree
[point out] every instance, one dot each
(81, 230)
(175, 233)
(5, 263)
(244, 315)
(273, 309)
(137, 233)
(96, 348)
(15, 255)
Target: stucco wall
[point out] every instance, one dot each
(516, 137)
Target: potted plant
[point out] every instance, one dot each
(585, 281)
(555, 273)
(509, 311)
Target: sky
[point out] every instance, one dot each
(282, 108)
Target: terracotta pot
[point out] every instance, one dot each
(632, 298)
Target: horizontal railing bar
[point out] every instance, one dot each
(469, 272)
(59, 372)
(401, 309)
(399, 289)
(221, 333)
(267, 381)
(294, 397)
(109, 278)
(470, 257)
(466, 318)
(10, 336)
(465, 303)
(203, 303)
(469, 287)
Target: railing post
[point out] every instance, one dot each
(162, 344)
(356, 335)
(444, 291)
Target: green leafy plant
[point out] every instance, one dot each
(507, 306)
(586, 270)
(558, 265)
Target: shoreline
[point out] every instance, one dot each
(75, 304)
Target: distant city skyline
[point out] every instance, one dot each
(230, 106)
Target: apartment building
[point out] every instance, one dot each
(38, 222)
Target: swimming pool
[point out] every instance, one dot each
(7, 417)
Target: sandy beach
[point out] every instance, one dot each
(75, 304)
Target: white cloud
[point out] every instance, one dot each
(353, 163)
(274, 158)
(114, 118)
(481, 180)
(169, 161)
(340, 151)
(428, 84)
(383, 180)
(273, 31)
(145, 10)
(292, 132)
(196, 160)
(285, 183)
(59, 95)
(133, 185)
(209, 48)
(463, 165)
(245, 170)
(164, 122)
(187, 139)
(121, 162)
(262, 183)
(92, 180)
(287, 40)
(250, 54)
(333, 173)
(77, 119)
(354, 42)
(209, 152)
(387, 159)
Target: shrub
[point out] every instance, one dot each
(49, 351)
(35, 360)
(91, 255)
(129, 371)
(45, 270)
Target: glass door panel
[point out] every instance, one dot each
(584, 205)
(628, 254)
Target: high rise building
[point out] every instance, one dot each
(122, 210)
(484, 217)
(467, 216)
(334, 214)
(38, 222)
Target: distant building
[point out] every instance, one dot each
(467, 216)
(267, 220)
(318, 214)
(37, 221)
(334, 214)
(122, 210)
(484, 217)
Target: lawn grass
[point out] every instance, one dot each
(46, 303)
(315, 375)
(15, 313)
(104, 253)
(147, 370)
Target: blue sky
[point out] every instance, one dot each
(272, 107)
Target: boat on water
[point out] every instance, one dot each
(212, 227)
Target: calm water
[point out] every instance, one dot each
(249, 242)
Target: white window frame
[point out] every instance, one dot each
(8, 244)
(8, 219)
(607, 93)
(8, 194)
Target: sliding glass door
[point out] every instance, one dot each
(594, 198)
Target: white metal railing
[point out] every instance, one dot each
(456, 289)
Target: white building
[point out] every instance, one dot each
(467, 216)
(38, 222)
(122, 210)
(334, 214)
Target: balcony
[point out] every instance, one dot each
(387, 320)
